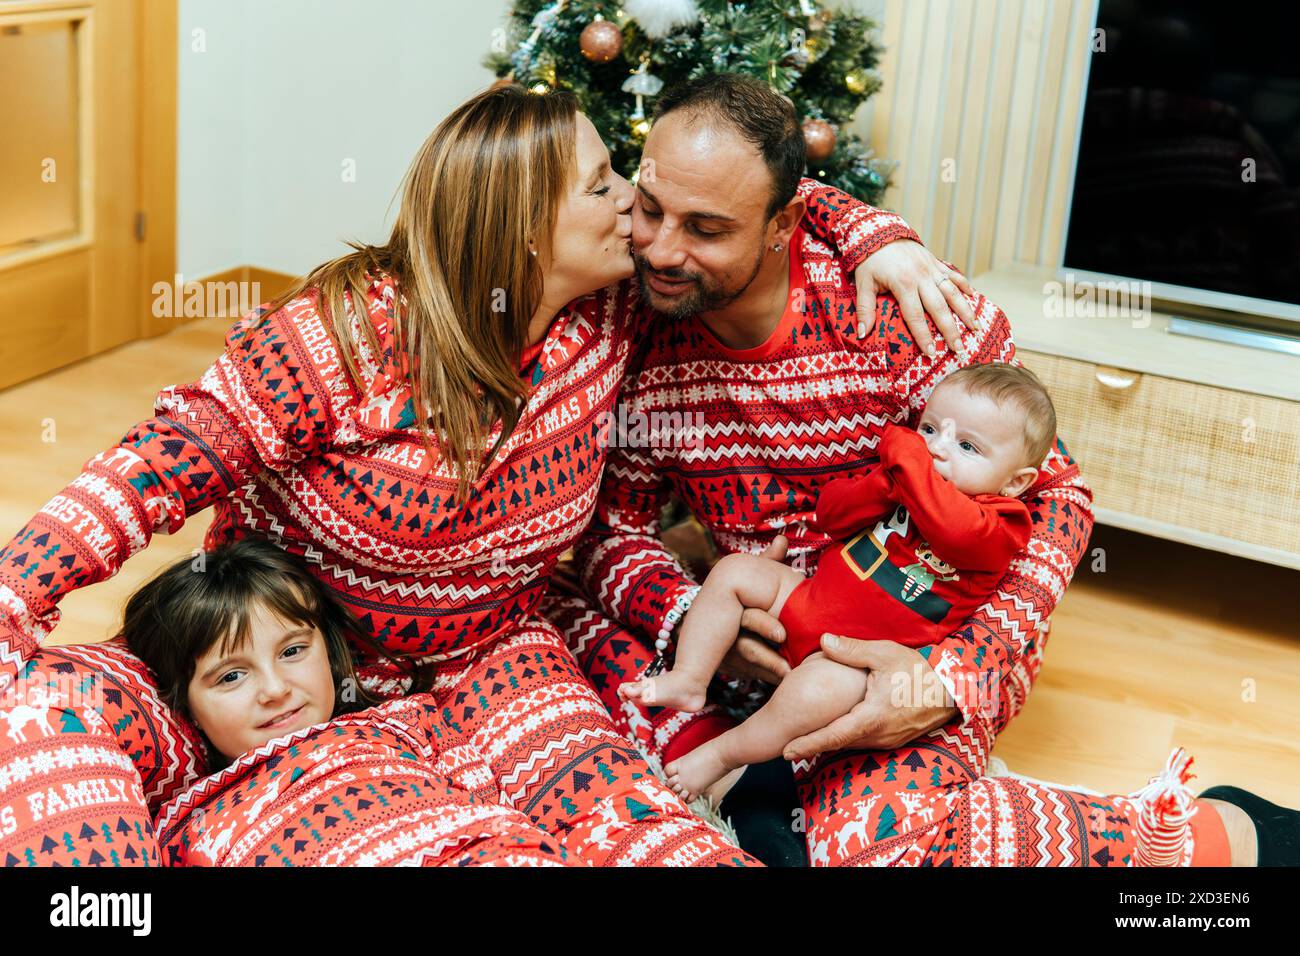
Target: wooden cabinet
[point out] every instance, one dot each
(87, 177)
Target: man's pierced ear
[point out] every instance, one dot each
(788, 218)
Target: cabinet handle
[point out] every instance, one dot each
(1115, 378)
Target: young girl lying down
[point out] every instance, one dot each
(254, 649)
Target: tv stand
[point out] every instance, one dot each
(1190, 439)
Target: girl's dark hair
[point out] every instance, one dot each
(199, 602)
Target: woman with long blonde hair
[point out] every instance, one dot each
(420, 421)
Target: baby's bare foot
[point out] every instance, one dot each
(695, 773)
(669, 689)
(641, 691)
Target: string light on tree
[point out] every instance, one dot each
(814, 46)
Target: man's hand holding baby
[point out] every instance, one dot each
(880, 721)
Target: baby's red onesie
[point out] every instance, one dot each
(920, 555)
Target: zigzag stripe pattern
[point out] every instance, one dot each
(765, 452)
(542, 759)
(525, 715)
(579, 623)
(853, 425)
(711, 378)
(918, 805)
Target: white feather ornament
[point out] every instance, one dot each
(658, 18)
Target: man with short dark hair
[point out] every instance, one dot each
(760, 336)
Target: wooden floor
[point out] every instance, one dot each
(1167, 645)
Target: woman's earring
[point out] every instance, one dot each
(532, 252)
(778, 247)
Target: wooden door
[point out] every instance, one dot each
(77, 176)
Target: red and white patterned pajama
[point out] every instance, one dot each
(384, 787)
(279, 441)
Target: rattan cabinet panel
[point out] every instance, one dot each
(1182, 455)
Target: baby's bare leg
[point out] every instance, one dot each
(738, 581)
(810, 697)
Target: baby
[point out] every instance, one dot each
(255, 650)
(926, 536)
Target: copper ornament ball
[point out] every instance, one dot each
(819, 136)
(601, 41)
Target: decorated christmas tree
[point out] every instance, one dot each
(616, 55)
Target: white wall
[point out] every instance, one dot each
(210, 138)
(276, 94)
(284, 92)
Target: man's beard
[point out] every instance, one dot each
(701, 298)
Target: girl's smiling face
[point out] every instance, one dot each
(277, 682)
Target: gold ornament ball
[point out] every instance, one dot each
(601, 41)
(819, 136)
(857, 81)
(640, 127)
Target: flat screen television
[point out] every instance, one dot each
(1188, 168)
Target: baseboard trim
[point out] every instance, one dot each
(269, 285)
(272, 283)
